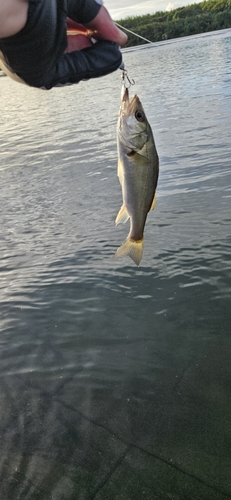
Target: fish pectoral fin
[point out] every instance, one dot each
(132, 248)
(122, 216)
(153, 205)
(120, 171)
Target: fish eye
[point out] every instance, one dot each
(139, 116)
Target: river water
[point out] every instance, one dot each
(115, 381)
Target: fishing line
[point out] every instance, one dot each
(126, 81)
(133, 33)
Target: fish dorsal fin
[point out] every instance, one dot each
(122, 216)
(153, 205)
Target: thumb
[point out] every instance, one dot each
(103, 27)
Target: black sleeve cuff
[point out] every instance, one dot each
(88, 12)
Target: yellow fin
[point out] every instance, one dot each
(120, 171)
(122, 216)
(132, 248)
(153, 202)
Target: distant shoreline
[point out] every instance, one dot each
(195, 19)
(177, 40)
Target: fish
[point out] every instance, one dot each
(138, 171)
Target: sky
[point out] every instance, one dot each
(120, 9)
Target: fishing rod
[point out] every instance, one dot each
(133, 33)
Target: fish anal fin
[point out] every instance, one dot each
(132, 248)
(122, 216)
(153, 205)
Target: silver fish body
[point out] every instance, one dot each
(138, 169)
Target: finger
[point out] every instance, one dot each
(77, 42)
(104, 28)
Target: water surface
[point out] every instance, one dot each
(115, 380)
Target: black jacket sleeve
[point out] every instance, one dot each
(99, 60)
(36, 53)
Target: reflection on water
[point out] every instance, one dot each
(115, 381)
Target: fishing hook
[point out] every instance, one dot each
(126, 81)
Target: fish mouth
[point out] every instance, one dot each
(125, 97)
(129, 105)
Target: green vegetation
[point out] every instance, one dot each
(209, 15)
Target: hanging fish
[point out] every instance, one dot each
(138, 168)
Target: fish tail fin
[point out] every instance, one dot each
(132, 248)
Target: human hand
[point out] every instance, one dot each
(103, 27)
(78, 36)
